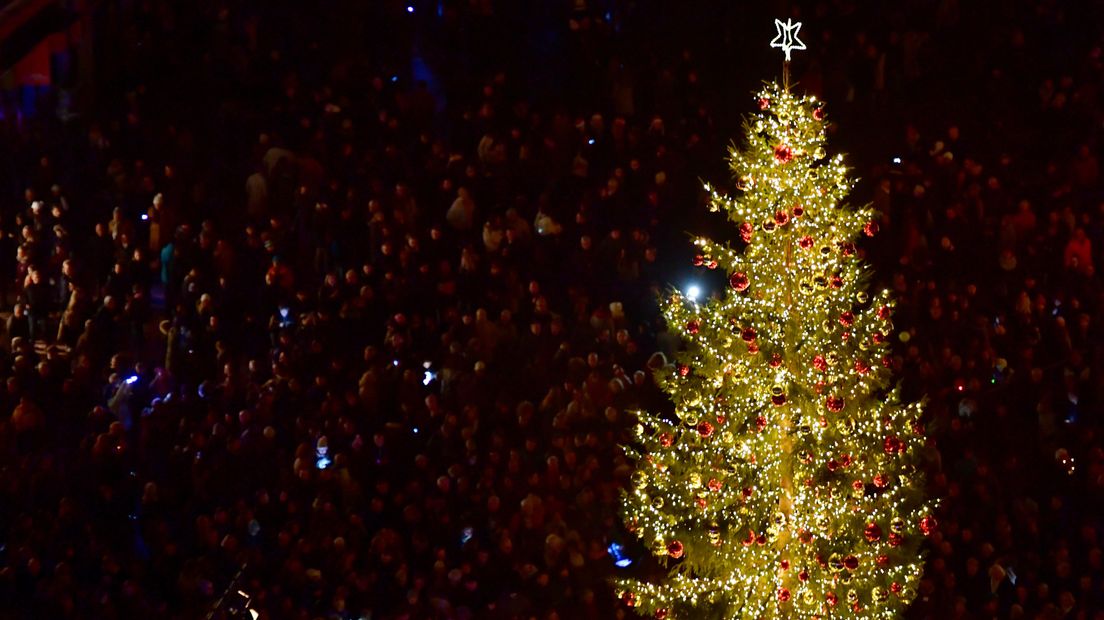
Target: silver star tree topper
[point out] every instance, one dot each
(786, 39)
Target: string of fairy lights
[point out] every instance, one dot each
(787, 483)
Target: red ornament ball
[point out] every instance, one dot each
(873, 532)
(629, 599)
(661, 614)
(760, 423)
(781, 218)
(753, 348)
(745, 232)
(705, 429)
(895, 539)
(836, 282)
(928, 525)
(665, 440)
(851, 562)
(698, 260)
(683, 370)
(785, 564)
(833, 464)
(882, 560)
(764, 103)
(835, 403)
(775, 360)
(783, 153)
(675, 549)
(871, 228)
(879, 338)
(739, 281)
(895, 587)
(818, 113)
(798, 211)
(715, 485)
(881, 481)
(783, 595)
(711, 264)
(820, 363)
(847, 319)
(806, 242)
(803, 575)
(748, 334)
(862, 367)
(847, 248)
(831, 599)
(845, 460)
(883, 313)
(692, 326)
(857, 485)
(893, 445)
(778, 399)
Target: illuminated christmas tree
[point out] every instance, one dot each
(787, 484)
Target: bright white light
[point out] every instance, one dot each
(897, 160)
(131, 380)
(323, 462)
(253, 613)
(409, 9)
(693, 292)
(590, 141)
(786, 39)
(429, 377)
(145, 217)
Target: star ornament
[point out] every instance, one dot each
(786, 39)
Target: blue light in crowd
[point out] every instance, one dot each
(131, 380)
(590, 141)
(618, 553)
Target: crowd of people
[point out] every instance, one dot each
(361, 342)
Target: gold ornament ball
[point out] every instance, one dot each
(897, 525)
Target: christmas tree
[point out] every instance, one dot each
(786, 483)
